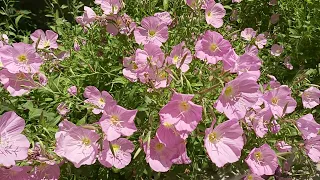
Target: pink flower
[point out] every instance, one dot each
(111, 6)
(262, 160)
(248, 34)
(164, 17)
(312, 147)
(214, 15)
(310, 97)
(63, 109)
(88, 17)
(150, 58)
(76, 46)
(261, 41)
(167, 133)
(251, 50)
(97, 99)
(274, 18)
(275, 127)
(211, 47)
(180, 56)
(117, 121)
(193, 4)
(48, 40)
(287, 63)
(253, 177)
(20, 57)
(181, 156)
(15, 173)
(236, 1)
(229, 61)
(283, 146)
(280, 101)
(181, 107)
(13, 145)
(152, 30)
(158, 155)
(308, 126)
(224, 143)
(259, 118)
(77, 144)
(130, 68)
(17, 84)
(273, 2)
(248, 63)
(119, 156)
(73, 90)
(238, 95)
(45, 172)
(120, 24)
(272, 84)
(276, 50)
(160, 78)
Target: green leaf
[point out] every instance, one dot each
(18, 19)
(33, 113)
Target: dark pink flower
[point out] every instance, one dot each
(45, 172)
(44, 40)
(283, 146)
(15, 173)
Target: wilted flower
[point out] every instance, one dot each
(248, 34)
(275, 127)
(46, 171)
(15, 173)
(276, 50)
(273, 2)
(262, 160)
(180, 56)
(224, 143)
(73, 90)
(311, 97)
(283, 146)
(274, 18)
(214, 15)
(88, 17)
(76, 46)
(119, 156)
(164, 17)
(63, 109)
(152, 30)
(308, 126)
(46, 40)
(13, 145)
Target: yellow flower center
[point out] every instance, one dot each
(101, 101)
(175, 59)
(115, 9)
(163, 75)
(184, 106)
(258, 156)
(209, 14)
(134, 66)
(213, 47)
(250, 177)
(115, 148)
(22, 58)
(21, 76)
(213, 137)
(166, 124)
(86, 141)
(152, 33)
(307, 94)
(229, 91)
(275, 100)
(47, 44)
(1, 65)
(114, 119)
(159, 147)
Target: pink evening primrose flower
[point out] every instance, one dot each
(180, 56)
(308, 126)
(276, 50)
(63, 109)
(13, 145)
(211, 47)
(229, 61)
(122, 24)
(311, 97)
(158, 155)
(214, 15)
(77, 144)
(45, 172)
(274, 18)
(20, 57)
(251, 50)
(283, 146)
(238, 95)
(273, 2)
(160, 78)
(287, 63)
(117, 121)
(180, 106)
(248, 63)
(259, 118)
(17, 84)
(73, 91)
(167, 133)
(88, 17)
(261, 41)
(15, 173)
(119, 156)
(181, 156)
(164, 17)
(224, 143)
(111, 6)
(236, 1)
(194, 4)
(46, 40)
(280, 101)
(312, 147)
(97, 99)
(248, 34)
(253, 177)
(130, 67)
(262, 160)
(150, 58)
(152, 30)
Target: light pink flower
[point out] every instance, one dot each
(274, 18)
(15, 173)
(77, 144)
(180, 56)
(236, 1)
(205, 4)
(261, 41)
(181, 156)
(211, 47)
(160, 78)
(117, 121)
(238, 95)
(13, 145)
(252, 50)
(283, 146)
(276, 50)
(258, 119)
(280, 101)
(164, 17)
(275, 127)
(262, 160)
(45, 172)
(130, 68)
(20, 57)
(111, 6)
(120, 24)
(119, 156)
(214, 15)
(312, 147)
(97, 99)
(287, 63)
(248, 63)
(248, 34)
(310, 97)
(63, 109)
(17, 84)
(88, 17)
(158, 155)
(73, 90)
(272, 84)
(224, 143)
(181, 107)
(308, 126)
(253, 177)
(46, 40)
(229, 61)
(193, 4)
(152, 30)
(150, 58)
